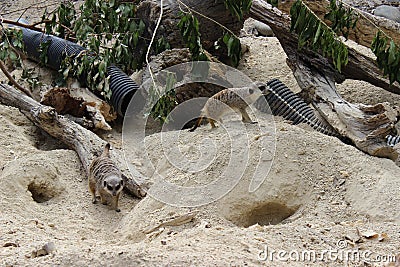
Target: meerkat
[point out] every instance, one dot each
(105, 179)
(237, 99)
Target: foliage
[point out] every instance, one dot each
(90, 68)
(62, 20)
(11, 42)
(10, 48)
(162, 102)
(189, 27)
(238, 8)
(342, 19)
(317, 35)
(109, 30)
(234, 48)
(388, 56)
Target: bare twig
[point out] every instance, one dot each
(13, 81)
(15, 23)
(176, 221)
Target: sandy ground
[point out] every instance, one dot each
(323, 203)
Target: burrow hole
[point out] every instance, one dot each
(42, 192)
(266, 214)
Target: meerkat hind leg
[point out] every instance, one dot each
(245, 116)
(212, 122)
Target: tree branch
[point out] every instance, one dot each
(84, 142)
(13, 81)
(360, 67)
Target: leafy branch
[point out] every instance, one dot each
(238, 8)
(314, 33)
(387, 56)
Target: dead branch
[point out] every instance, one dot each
(366, 27)
(366, 126)
(360, 67)
(84, 142)
(15, 23)
(13, 81)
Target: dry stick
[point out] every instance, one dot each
(15, 23)
(13, 81)
(176, 221)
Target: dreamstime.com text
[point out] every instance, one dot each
(339, 254)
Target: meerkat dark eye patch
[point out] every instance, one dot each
(117, 187)
(109, 187)
(251, 91)
(262, 87)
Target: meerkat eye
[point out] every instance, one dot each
(262, 87)
(251, 91)
(117, 187)
(109, 187)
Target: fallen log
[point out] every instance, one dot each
(366, 27)
(360, 67)
(366, 126)
(84, 142)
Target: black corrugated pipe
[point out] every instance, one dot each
(121, 86)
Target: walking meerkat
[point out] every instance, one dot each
(237, 99)
(105, 179)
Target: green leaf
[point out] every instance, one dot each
(392, 53)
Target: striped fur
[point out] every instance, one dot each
(105, 179)
(283, 102)
(237, 99)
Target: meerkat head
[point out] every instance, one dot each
(259, 86)
(113, 184)
(256, 90)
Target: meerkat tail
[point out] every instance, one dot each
(106, 151)
(197, 124)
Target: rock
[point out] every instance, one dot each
(389, 12)
(257, 28)
(44, 250)
(263, 29)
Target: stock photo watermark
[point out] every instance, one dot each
(342, 253)
(153, 92)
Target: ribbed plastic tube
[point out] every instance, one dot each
(121, 86)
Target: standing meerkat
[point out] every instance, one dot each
(105, 179)
(237, 99)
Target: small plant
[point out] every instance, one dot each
(238, 8)
(234, 48)
(162, 102)
(315, 34)
(387, 56)
(11, 44)
(343, 19)
(189, 27)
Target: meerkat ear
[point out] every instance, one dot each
(122, 183)
(262, 87)
(104, 183)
